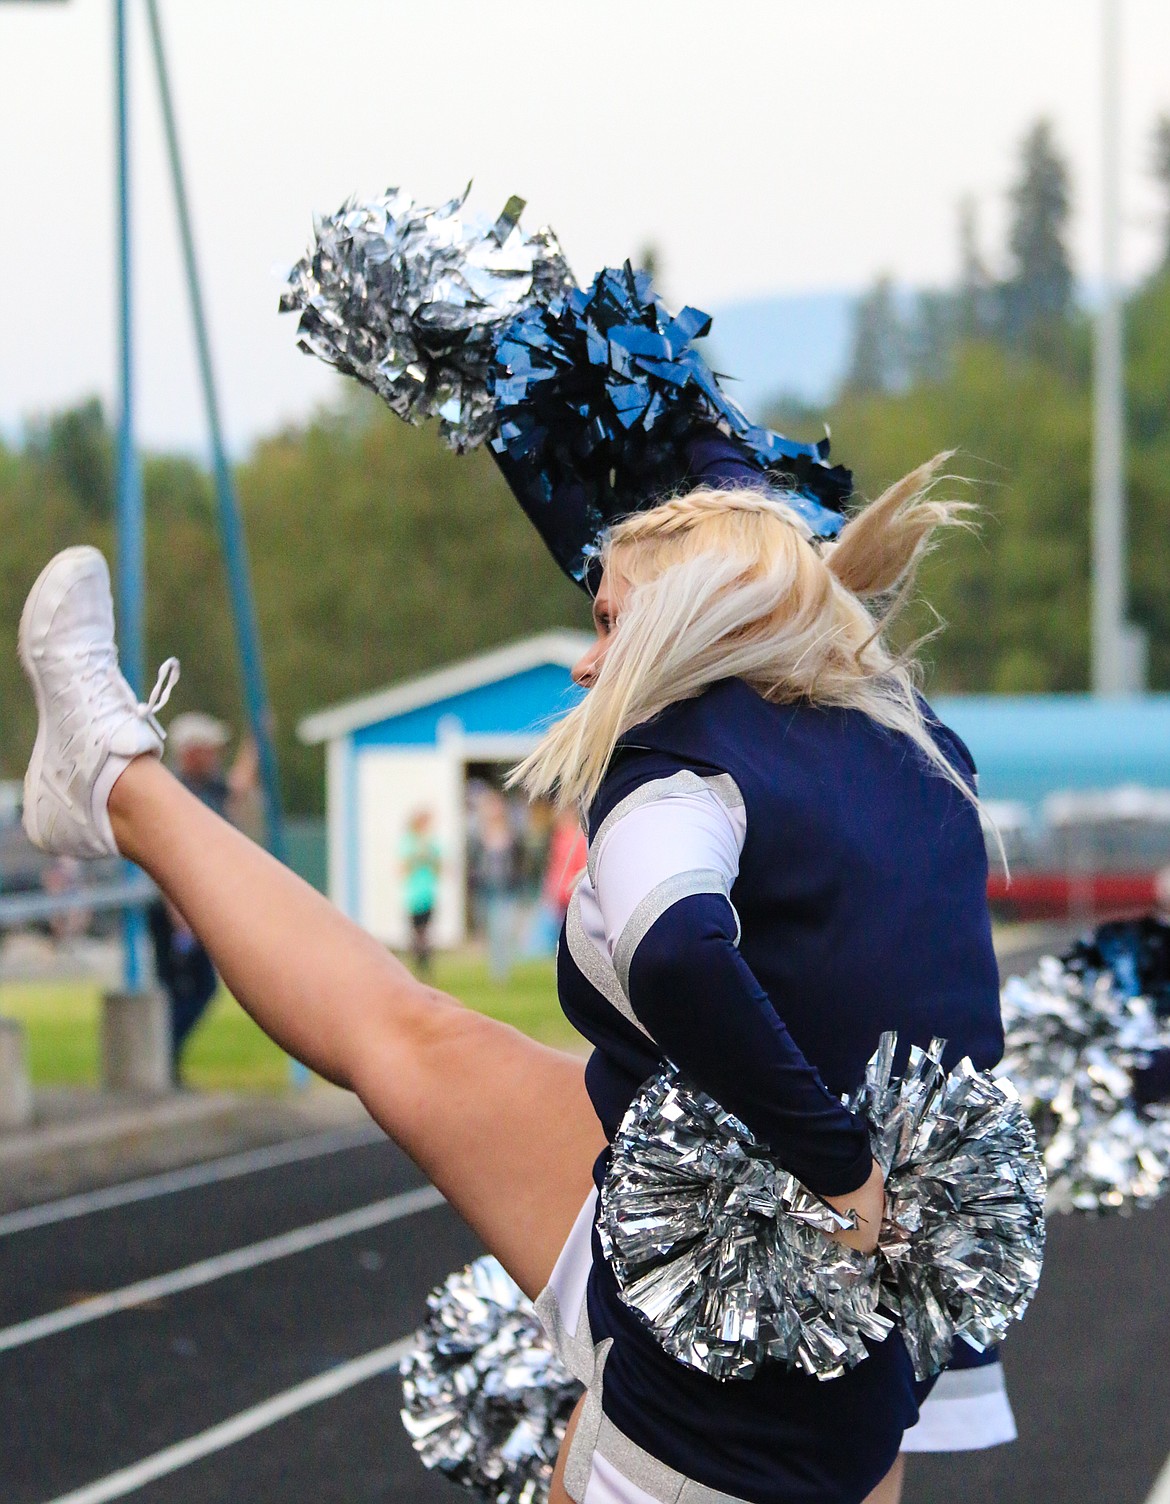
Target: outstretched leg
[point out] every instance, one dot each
(502, 1125)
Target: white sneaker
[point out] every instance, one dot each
(90, 726)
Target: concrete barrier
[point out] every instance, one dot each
(16, 1103)
(136, 1041)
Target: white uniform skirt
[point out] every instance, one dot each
(966, 1411)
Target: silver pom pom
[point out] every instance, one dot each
(727, 1257)
(721, 1252)
(962, 1239)
(1073, 1043)
(487, 1400)
(410, 300)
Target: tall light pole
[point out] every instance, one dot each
(235, 551)
(1118, 649)
(131, 559)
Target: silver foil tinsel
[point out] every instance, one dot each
(722, 1253)
(486, 1398)
(410, 299)
(727, 1257)
(1074, 1041)
(962, 1239)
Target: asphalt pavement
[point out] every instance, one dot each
(1088, 1376)
(79, 1405)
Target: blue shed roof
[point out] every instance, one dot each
(1027, 746)
(507, 692)
(523, 702)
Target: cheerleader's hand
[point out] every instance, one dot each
(867, 1203)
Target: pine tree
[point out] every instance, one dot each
(975, 299)
(1162, 173)
(1038, 295)
(878, 356)
(78, 447)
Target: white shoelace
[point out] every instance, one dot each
(168, 677)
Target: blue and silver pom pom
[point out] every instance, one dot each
(1087, 1045)
(728, 1258)
(486, 1399)
(605, 406)
(596, 403)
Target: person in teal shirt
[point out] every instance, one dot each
(421, 865)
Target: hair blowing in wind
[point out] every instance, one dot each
(725, 584)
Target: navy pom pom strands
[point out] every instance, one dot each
(595, 404)
(605, 406)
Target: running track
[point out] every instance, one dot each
(231, 1333)
(247, 1301)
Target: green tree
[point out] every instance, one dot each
(378, 555)
(1037, 295)
(1015, 596)
(77, 446)
(975, 298)
(928, 338)
(1161, 166)
(877, 356)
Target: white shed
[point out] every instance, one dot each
(408, 748)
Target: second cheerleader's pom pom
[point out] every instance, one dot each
(410, 300)
(1086, 1044)
(487, 1400)
(727, 1258)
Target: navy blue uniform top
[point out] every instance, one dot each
(857, 904)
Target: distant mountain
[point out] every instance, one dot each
(794, 345)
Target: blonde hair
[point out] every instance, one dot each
(726, 584)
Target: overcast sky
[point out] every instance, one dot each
(762, 145)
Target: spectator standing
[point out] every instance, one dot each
(496, 865)
(421, 864)
(565, 854)
(567, 851)
(185, 971)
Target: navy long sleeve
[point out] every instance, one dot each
(698, 997)
(662, 868)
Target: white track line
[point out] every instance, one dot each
(1160, 1493)
(207, 1173)
(239, 1259)
(247, 1423)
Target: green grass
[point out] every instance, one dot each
(527, 1000)
(228, 1052)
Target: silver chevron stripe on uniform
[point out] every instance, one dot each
(653, 906)
(593, 966)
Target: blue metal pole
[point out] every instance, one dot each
(230, 524)
(131, 563)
